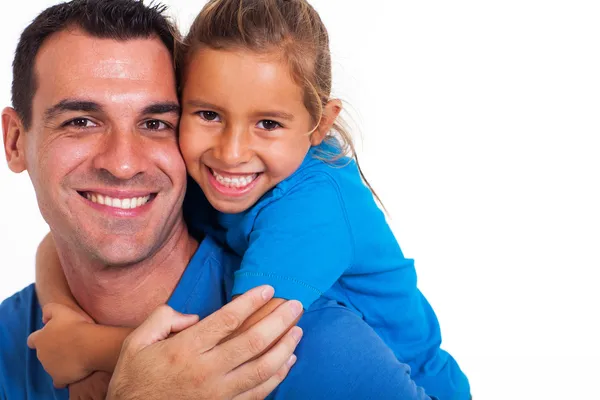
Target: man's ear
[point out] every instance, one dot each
(330, 113)
(13, 134)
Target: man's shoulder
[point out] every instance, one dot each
(17, 312)
(353, 362)
(207, 281)
(19, 316)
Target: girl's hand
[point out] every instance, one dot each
(94, 387)
(59, 344)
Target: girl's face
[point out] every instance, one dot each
(244, 127)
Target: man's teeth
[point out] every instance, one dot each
(237, 182)
(124, 204)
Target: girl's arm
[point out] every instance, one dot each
(50, 283)
(300, 244)
(70, 346)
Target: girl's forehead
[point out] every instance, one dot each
(242, 83)
(272, 55)
(239, 66)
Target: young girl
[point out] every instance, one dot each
(262, 139)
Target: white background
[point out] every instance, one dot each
(479, 128)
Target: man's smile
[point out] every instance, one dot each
(119, 203)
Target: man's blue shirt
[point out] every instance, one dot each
(339, 357)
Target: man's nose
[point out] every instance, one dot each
(122, 154)
(233, 147)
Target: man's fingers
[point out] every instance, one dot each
(259, 337)
(265, 389)
(220, 324)
(158, 326)
(266, 368)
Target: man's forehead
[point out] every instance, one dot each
(73, 64)
(73, 43)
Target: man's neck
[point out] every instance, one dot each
(125, 296)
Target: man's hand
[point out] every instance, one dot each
(57, 344)
(198, 364)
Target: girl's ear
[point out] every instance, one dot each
(330, 113)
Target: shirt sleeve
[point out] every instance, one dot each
(341, 357)
(300, 244)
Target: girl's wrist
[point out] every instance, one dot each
(85, 341)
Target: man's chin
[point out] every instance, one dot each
(121, 254)
(120, 261)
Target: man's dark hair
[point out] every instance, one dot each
(107, 19)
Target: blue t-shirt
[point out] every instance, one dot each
(339, 356)
(319, 233)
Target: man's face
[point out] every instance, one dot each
(102, 149)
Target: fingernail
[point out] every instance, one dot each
(296, 307)
(267, 292)
(297, 333)
(292, 360)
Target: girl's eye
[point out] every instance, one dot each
(268, 125)
(210, 116)
(155, 125)
(80, 123)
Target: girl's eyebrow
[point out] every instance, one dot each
(274, 114)
(264, 114)
(202, 104)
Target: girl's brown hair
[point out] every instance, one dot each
(291, 28)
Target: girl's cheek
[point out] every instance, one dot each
(187, 144)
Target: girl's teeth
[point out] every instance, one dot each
(236, 182)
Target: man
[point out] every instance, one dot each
(95, 113)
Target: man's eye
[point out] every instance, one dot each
(210, 116)
(155, 125)
(268, 125)
(80, 123)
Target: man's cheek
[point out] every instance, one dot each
(170, 161)
(63, 158)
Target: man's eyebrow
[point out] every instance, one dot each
(71, 105)
(162, 108)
